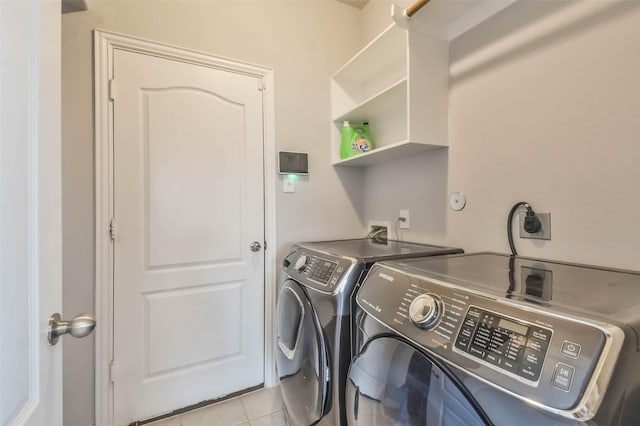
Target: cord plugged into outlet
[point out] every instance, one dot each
(532, 225)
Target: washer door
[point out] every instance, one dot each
(301, 356)
(392, 383)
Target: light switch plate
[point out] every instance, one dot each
(289, 185)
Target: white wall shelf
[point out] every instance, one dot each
(388, 152)
(448, 20)
(399, 82)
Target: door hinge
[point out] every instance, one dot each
(112, 373)
(113, 228)
(261, 85)
(113, 89)
(265, 245)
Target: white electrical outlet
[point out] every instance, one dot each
(404, 214)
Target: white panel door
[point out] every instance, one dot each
(188, 202)
(30, 223)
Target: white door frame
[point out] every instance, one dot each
(105, 43)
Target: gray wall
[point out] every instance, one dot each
(543, 106)
(303, 41)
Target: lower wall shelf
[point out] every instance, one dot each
(386, 153)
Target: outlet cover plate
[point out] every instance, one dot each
(405, 215)
(545, 231)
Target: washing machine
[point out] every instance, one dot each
(313, 321)
(489, 339)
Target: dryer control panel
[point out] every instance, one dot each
(560, 362)
(322, 272)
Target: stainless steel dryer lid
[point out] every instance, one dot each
(367, 250)
(591, 290)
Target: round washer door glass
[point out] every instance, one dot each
(301, 357)
(392, 383)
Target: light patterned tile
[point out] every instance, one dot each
(228, 413)
(274, 419)
(262, 402)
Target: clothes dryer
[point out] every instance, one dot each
(313, 321)
(489, 339)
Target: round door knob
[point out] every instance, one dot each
(80, 326)
(255, 246)
(301, 263)
(425, 310)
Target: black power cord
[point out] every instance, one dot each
(531, 223)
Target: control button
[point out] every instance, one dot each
(301, 263)
(477, 352)
(531, 357)
(563, 376)
(484, 331)
(470, 322)
(493, 359)
(537, 345)
(531, 365)
(529, 372)
(474, 312)
(462, 343)
(481, 342)
(466, 332)
(542, 334)
(425, 310)
(570, 349)
(509, 365)
(499, 338)
(497, 349)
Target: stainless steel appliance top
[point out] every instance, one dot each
(368, 251)
(590, 290)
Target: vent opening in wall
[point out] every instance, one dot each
(378, 231)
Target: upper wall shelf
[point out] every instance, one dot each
(448, 20)
(399, 82)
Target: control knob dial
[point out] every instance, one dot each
(425, 310)
(301, 262)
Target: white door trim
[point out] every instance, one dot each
(105, 43)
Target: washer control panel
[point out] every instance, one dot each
(538, 355)
(511, 345)
(322, 272)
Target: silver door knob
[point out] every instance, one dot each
(255, 246)
(80, 326)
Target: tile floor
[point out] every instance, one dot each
(263, 407)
